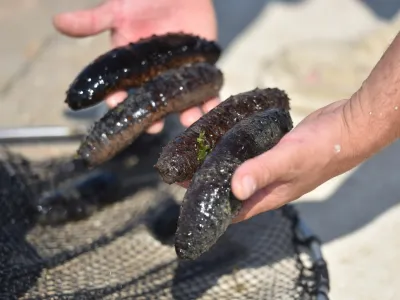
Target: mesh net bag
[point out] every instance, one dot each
(108, 234)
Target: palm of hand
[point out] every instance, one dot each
(129, 20)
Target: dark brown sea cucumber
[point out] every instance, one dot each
(209, 205)
(178, 160)
(172, 91)
(132, 65)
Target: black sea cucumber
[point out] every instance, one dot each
(132, 65)
(172, 91)
(180, 159)
(209, 205)
(77, 200)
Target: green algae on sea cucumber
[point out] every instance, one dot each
(203, 149)
(181, 157)
(209, 204)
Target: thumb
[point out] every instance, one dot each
(87, 22)
(260, 171)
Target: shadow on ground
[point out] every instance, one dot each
(367, 193)
(235, 17)
(384, 9)
(238, 15)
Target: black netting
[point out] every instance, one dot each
(119, 244)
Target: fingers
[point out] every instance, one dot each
(209, 105)
(117, 97)
(191, 115)
(188, 117)
(114, 99)
(87, 22)
(267, 168)
(156, 127)
(184, 184)
(263, 200)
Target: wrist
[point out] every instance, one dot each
(368, 125)
(371, 117)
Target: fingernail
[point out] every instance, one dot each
(248, 186)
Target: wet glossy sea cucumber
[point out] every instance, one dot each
(180, 158)
(209, 205)
(134, 64)
(172, 91)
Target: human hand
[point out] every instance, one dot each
(130, 20)
(316, 150)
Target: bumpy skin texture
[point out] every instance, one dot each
(209, 205)
(178, 160)
(132, 65)
(78, 200)
(173, 91)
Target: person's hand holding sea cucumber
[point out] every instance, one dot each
(327, 143)
(131, 20)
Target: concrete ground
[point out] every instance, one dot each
(318, 50)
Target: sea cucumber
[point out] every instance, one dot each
(136, 63)
(181, 157)
(209, 205)
(78, 199)
(172, 91)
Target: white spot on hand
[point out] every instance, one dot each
(337, 148)
(396, 108)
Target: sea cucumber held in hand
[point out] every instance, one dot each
(209, 205)
(172, 91)
(181, 157)
(134, 64)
